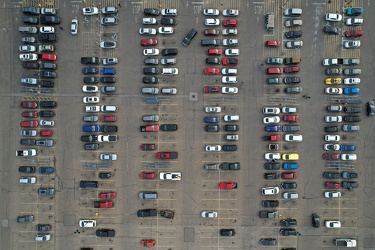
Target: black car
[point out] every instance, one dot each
(168, 127)
(147, 213)
(91, 146)
(271, 176)
(46, 84)
(231, 127)
(288, 232)
(230, 166)
(292, 80)
(150, 80)
(48, 104)
(91, 80)
(229, 147)
(107, 79)
(331, 175)
(331, 30)
(30, 20)
(268, 241)
(151, 71)
(192, 33)
(352, 118)
(293, 90)
(293, 34)
(90, 70)
(47, 74)
(105, 233)
(168, 21)
(43, 227)
(27, 142)
(227, 232)
(30, 65)
(50, 20)
(88, 184)
(288, 223)
(169, 52)
(349, 184)
(105, 175)
(47, 38)
(26, 169)
(213, 60)
(352, 109)
(89, 138)
(288, 185)
(151, 12)
(108, 128)
(370, 108)
(331, 129)
(231, 61)
(212, 128)
(315, 220)
(272, 166)
(270, 203)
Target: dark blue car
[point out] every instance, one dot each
(91, 70)
(46, 170)
(272, 128)
(348, 148)
(91, 128)
(230, 147)
(108, 71)
(211, 119)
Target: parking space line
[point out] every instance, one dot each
(219, 200)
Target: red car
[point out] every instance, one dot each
(214, 52)
(166, 155)
(108, 118)
(211, 89)
(149, 42)
(273, 43)
(29, 124)
(108, 195)
(230, 61)
(230, 23)
(45, 133)
(289, 175)
(49, 57)
(332, 184)
(211, 32)
(328, 156)
(32, 114)
(148, 146)
(353, 33)
(148, 243)
(290, 118)
(147, 175)
(29, 105)
(228, 185)
(291, 69)
(211, 71)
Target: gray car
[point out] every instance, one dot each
(45, 143)
(293, 90)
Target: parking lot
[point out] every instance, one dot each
(197, 189)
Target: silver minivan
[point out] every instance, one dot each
(150, 118)
(145, 195)
(150, 91)
(211, 167)
(28, 30)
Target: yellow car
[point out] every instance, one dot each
(290, 157)
(333, 80)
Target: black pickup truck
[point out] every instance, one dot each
(90, 60)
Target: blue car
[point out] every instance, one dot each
(91, 128)
(211, 119)
(230, 147)
(46, 170)
(272, 128)
(90, 70)
(290, 165)
(348, 148)
(108, 71)
(351, 91)
(354, 11)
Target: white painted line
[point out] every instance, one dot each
(258, 3)
(197, 2)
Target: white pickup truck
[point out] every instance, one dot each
(26, 152)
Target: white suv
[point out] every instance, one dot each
(231, 118)
(87, 223)
(169, 71)
(212, 22)
(270, 190)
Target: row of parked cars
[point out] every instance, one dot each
(35, 57)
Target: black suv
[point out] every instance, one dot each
(151, 71)
(48, 104)
(91, 80)
(108, 129)
(288, 232)
(315, 220)
(189, 37)
(168, 127)
(26, 169)
(288, 222)
(168, 21)
(210, 42)
(89, 138)
(91, 146)
(147, 213)
(107, 79)
(169, 52)
(230, 166)
(212, 128)
(30, 65)
(47, 38)
(352, 109)
(352, 118)
(150, 79)
(50, 20)
(88, 184)
(231, 127)
(331, 129)
(46, 84)
(271, 166)
(151, 12)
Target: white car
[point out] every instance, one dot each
(149, 20)
(333, 91)
(147, 31)
(354, 21)
(229, 71)
(151, 52)
(332, 223)
(333, 17)
(331, 118)
(28, 180)
(230, 12)
(209, 214)
(91, 99)
(169, 91)
(174, 176)
(108, 45)
(230, 32)
(47, 123)
(287, 110)
(169, 71)
(332, 194)
(213, 148)
(332, 138)
(229, 90)
(44, 47)
(212, 22)
(43, 237)
(47, 30)
(27, 48)
(212, 109)
(229, 79)
(230, 42)
(231, 118)
(165, 30)
(352, 44)
(271, 119)
(294, 44)
(293, 137)
(87, 223)
(348, 157)
(110, 61)
(29, 81)
(28, 57)
(352, 80)
(89, 88)
(74, 27)
(232, 52)
(211, 12)
(108, 157)
(271, 110)
(333, 147)
(89, 11)
(91, 109)
(270, 191)
(272, 156)
(231, 137)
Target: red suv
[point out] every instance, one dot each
(353, 33)
(230, 23)
(45, 133)
(332, 184)
(214, 52)
(289, 175)
(49, 57)
(273, 43)
(291, 69)
(29, 105)
(147, 175)
(29, 124)
(31, 114)
(211, 89)
(290, 118)
(108, 118)
(211, 71)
